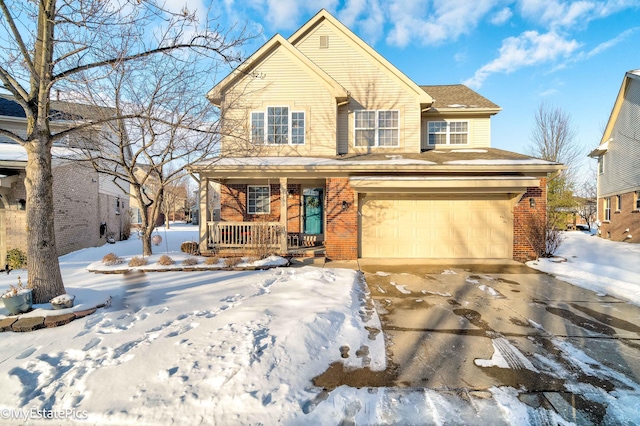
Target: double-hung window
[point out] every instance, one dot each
(448, 132)
(377, 128)
(258, 199)
(607, 209)
(618, 203)
(278, 126)
(601, 164)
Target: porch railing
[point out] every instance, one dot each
(244, 234)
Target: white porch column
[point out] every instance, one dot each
(284, 215)
(203, 218)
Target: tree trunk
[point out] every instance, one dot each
(42, 257)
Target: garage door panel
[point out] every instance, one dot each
(436, 227)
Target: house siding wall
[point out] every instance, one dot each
(281, 81)
(522, 214)
(479, 131)
(370, 86)
(621, 172)
(626, 218)
(341, 236)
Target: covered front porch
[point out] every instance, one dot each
(258, 216)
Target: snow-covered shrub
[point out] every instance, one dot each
(111, 259)
(137, 261)
(212, 261)
(190, 261)
(165, 260)
(230, 262)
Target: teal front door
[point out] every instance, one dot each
(312, 199)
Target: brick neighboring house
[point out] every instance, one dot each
(83, 199)
(619, 166)
(327, 143)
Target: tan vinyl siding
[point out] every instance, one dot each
(479, 131)
(621, 171)
(370, 85)
(280, 80)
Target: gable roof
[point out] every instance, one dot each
(456, 97)
(323, 16)
(60, 110)
(629, 78)
(215, 95)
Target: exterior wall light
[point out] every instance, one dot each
(532, 203)
(345, 205)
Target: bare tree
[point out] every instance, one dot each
(54, 45)
(587, 207)
(175, 198)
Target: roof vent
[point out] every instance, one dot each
(324, 42)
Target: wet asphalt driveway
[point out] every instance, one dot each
(474, 327)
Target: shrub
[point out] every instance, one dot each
(137, 261)
(165, 260)
(190, 261)
(252, 259)
(126, 224)
(230, 262)
(190, 247)
(212, 261)
(111, 259)
(16, 259)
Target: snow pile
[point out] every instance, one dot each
(597, 264)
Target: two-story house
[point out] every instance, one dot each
(326, 142)
(619, 166)
(88, 206)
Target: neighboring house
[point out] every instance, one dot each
(327, 143)
(619, 166)
(87, 205)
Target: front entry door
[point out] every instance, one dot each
(312, 198)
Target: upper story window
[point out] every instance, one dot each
(377, 128)
(278, 126)
(601, 164)
(448, 132)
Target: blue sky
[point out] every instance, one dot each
(572, 54)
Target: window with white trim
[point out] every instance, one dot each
(607, 209)
(278, 126)
(377, 128)
(448, 132)
(258, 199)
(601, 164)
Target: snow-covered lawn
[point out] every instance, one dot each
(604, 266)
(190, 347)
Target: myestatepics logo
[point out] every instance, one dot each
(37, 413)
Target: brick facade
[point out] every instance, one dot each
(341, 236)
(79, 209)
(233, 205)
(627, 217)
(522, 249)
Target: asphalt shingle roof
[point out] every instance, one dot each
(457, 95)
(60, 110)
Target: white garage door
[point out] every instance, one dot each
(418, 226)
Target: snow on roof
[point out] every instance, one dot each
(481, 162)
(15, 152)
(315, 161)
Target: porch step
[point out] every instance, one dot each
(317, 251)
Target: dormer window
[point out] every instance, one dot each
(448, 132)
(281, 127)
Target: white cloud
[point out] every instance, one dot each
(502, 17)
(366, 16)
(609, 43)
(444, 20)
(528, 49)
(567, 14)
